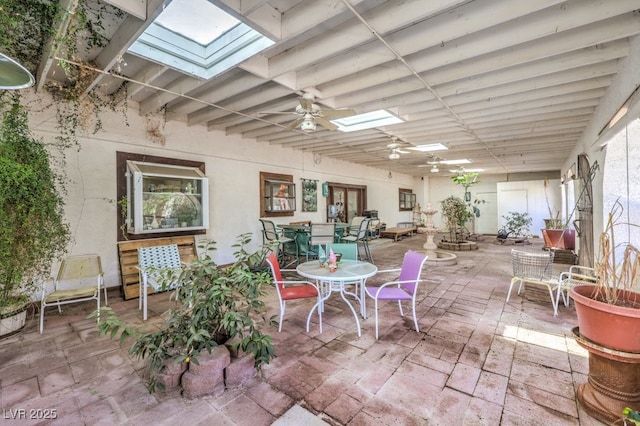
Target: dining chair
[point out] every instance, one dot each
(321, 235)
(405, 288)
(358, 235)
(292, 290)
(271, 237)
(79, 279)
(534, 268)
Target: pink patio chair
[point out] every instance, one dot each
(405, 288)
(293, 289)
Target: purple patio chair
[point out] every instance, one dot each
(405, 288)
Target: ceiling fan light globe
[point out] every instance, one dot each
(308, 126)
(435, 169)
(394, 156)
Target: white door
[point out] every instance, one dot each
(487, 223)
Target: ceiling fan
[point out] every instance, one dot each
(394, 148)
(310, 114)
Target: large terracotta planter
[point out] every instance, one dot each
(612, 326)
(564, 239)
(611, 334)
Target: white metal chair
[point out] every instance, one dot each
(577, 275)
(160, 268)
(536, 269)
(79, 279)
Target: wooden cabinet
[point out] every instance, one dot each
(166, 198)
(277, 195)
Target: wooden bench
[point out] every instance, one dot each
(128, 257)
(396, 233)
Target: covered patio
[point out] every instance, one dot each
(476, 360)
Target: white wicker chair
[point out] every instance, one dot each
(536, 269)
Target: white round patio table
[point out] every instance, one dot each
(347, 271)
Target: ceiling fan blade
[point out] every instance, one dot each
(326, 123)
(305, 103)
(295, 123)
(337, 113)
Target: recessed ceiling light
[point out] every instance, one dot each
(368, 120)
(429, 147)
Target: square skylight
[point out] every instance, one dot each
(196, 37)
(429, 147)
(368, 120)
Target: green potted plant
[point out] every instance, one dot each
(517, 224)
(217, 303)
(32, 231)
(456, 215)
(608, 316)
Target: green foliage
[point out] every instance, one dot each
(517, 223)
(32, 231)
(29, 27)
(217, 303)
(456, 213)
(467, 180)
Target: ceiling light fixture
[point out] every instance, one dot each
(394, 156)
(13, 75)
(308, 125)
(435, 169)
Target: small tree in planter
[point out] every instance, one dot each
(456, 214)
(217, 303)
(517, 224)
(33, 233)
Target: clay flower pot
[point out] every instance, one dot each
(615, 327)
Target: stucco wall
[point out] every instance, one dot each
(232, 165)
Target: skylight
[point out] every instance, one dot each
(429, 147)
(452, 162)
(196, 37)
(368, 120)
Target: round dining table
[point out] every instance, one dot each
(348, 271)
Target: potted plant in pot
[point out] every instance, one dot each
(216, 303)
(516, 225)
(556, 233)
(33, 231)
(456, 214)
(609, 327)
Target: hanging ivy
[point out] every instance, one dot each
(29, 26)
